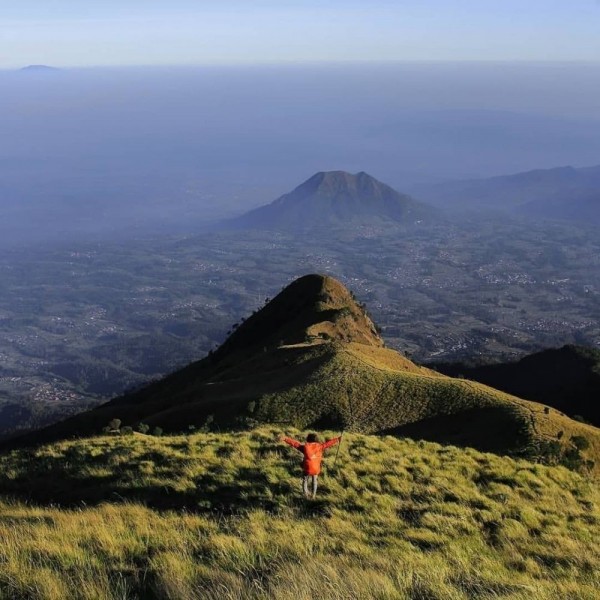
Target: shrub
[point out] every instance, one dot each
(115, 424)
(246, 422)
(157, 431)
(143, 428)
(550, 452)
(127, 430)
(572, 459)
(580, 442)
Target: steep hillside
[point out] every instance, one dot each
(312, 358)
(336, 199)
(566, 378)
(220, 516)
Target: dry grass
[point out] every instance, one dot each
(221, 516)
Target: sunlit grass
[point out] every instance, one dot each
(221, 516)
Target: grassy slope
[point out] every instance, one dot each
(366, 388)
(312, 358)
(374, 389)
(397, 519)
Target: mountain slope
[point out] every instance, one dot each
(566, 378)
(312, 358)
(559, 193)
(337, 199)
(220, 515)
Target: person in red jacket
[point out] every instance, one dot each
(312, 450)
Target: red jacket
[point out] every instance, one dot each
(313, 453)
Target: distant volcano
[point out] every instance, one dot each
(336, 199)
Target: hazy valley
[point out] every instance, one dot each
(82, 322)
(195, 261)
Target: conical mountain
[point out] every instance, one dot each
(312, 358)
(336, 199)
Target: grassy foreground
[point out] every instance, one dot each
(220, 516)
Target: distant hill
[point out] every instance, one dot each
(312, 358)
(566, 378)
(336, 199)
(560, 193)
(39, 70)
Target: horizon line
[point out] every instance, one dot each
(301, 63)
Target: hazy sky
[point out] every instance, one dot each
(149, 32)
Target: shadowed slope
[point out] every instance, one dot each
(566, 378)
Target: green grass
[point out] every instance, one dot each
(221, 516)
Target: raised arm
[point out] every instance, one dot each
(293, 443)
(331, 442)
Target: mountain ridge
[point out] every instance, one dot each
(312, 358)
(563, 193)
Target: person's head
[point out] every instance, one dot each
(312, 437)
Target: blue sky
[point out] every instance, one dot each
(153, 32)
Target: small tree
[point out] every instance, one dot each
(157, 431)
(114, 425)
(127, 430)
(143, 428)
